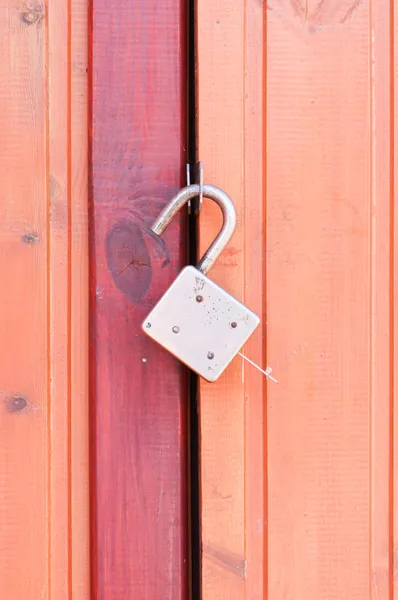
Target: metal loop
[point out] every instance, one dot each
(226, 231)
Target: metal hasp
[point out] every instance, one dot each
(195, 206)
(226, 231)
(196, 320)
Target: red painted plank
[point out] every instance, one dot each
(138, 391)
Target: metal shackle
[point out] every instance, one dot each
(226, 231)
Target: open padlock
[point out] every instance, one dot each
(196, 320)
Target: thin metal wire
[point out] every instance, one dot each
(267, 372)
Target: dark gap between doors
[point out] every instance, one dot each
(194, 454)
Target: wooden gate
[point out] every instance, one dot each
(297, 106)
(93, 144)
(296, 114)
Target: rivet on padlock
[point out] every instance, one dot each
(196, 320)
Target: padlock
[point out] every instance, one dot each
(196, 320)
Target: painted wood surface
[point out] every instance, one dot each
(44, 524)
(296, 113)
(138, 391)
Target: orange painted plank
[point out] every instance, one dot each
(394, 283)
(231, 146)
(307, 153)
(44, 550)
(329, 240)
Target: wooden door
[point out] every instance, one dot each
(92, 120)
(296, 121)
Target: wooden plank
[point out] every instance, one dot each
(231, 146)
(79, 564)
(44, 416)
(394, 345)
(382, 300)
(329, 233)
(138, 390)
(315, 248)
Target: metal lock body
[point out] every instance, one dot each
(200, 323)
(196, 320)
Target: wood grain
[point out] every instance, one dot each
(138, 393)
(306, 504)
(44, 550)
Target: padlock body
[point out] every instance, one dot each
(200, 323)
